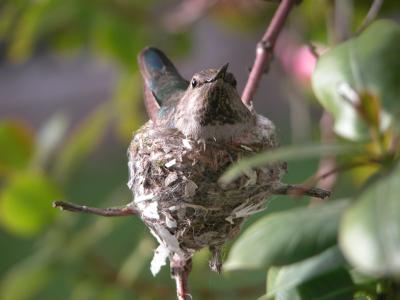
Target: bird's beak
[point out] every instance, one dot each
(221, 73)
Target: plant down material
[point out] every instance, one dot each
(176, 189)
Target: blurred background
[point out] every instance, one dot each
(70, 100)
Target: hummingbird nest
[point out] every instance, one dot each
(175, 181)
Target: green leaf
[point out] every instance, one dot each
(26, 30)
(365, 64)
(83, 140)
(369, 108)
(272, 276)
(25, 204)
(335, 285)
(292, 294)
(289, 153)
(16, 146)
(119, 38)
(288, 277)
(287, 237)
(7, 14)
(370, 229)
(319, 277)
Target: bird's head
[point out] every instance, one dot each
(211, 106)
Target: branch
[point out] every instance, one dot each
(180, 271)
(313, 50)
(371, 15)
(265, 49)
(105, 212)
(181, 280)
(326, 164)
(344, 168)
(297, 190)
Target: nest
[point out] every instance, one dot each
(176, 189)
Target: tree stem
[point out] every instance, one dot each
(180, 271)
(265, 49)
(371, 15)
(297, 190)
(105, 212)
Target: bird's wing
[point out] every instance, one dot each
(161, 80)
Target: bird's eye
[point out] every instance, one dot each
(229, 78)
(194, 83)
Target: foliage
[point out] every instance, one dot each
(367, 66)
(292, 245)
(338, 249)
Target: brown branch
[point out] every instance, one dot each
(105, 212)
(297, 190)
(326, 164)
(340, 29)
(180, 271)
(344, 168)
(265, 49)
(181, 280)
(313, 50)
(324, 172)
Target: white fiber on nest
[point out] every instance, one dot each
(175, 183)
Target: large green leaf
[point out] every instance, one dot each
(367, 64)
(291, 276)
(370, 229)
(289, 153)
(16, 146)
(25, 203)
(25, 32)
(333, 285)
(118, 37)
(287, 237)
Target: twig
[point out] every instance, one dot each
(264, 50)
(105, 212)
(339, 29)
(344, 168)
(297, 190)
(371, 15)
(342, 19)
(326, 164)
(313, 50)
(324, 172)
(181, 280)
(180, 271)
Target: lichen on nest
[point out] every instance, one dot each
(176, 189)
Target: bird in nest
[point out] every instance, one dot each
(197, 129)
